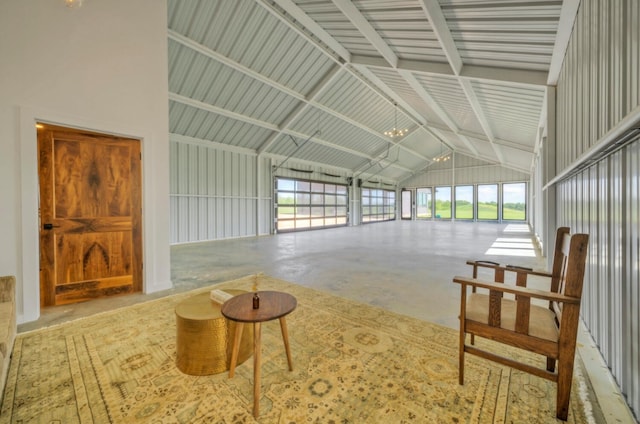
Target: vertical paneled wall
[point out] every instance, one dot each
(598, 88)
(604, 201)
(598, 84)
(218, 194)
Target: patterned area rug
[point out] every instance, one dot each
(353, 363)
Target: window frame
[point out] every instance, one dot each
(316, 204)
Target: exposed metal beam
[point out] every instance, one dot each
(368, 78)
(222, 112)
(292, 9)
(362, 24)
(207, 52)
(267, 125)
(483, 138)
(428, 99)
(326, 81)
(308, 100)
(482, 119)
(516, 77)
(568, 15)
(439, 25)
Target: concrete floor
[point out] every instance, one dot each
(402, 266)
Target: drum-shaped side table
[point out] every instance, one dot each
(204, 338)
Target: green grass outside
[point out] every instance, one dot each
(514, 214)
(464, 211)
(486, 211)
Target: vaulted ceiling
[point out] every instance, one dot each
(320, 81)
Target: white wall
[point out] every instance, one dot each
(101, 67)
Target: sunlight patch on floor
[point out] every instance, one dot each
(517, 228)
(513, 246)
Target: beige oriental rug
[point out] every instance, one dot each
(353, 363)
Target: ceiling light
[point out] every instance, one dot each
(72, 4)
(442, 157)
(395, 132)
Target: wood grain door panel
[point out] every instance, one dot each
(90, 209)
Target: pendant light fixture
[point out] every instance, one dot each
(395, 132)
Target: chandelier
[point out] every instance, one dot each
(395, 132)
(442, 157)
(72, 4)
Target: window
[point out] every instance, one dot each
(464, 202)
(514, 201)
(443, 202)
(488, 202)
(378, 205)
(424, 207)
(303, 205)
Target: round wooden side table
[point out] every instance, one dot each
(204, 338)
(272, 305)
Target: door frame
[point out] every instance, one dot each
(155, 204)
(48, 135)
(411, 204)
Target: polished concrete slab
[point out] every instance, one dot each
(402, 266)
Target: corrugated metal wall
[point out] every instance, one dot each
(214, 193)
(604, 201)
(467, 171)
(598, 88)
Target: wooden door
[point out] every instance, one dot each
(90, 215)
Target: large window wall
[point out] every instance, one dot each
(378, 205)
(304, 205)
(480, 202)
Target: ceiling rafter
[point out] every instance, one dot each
(308, 100)
(568, 15)
(482, 119)
(212, 54)
(517, 77)
(326, 81)
(495, 115)
(292, 9)
(365, 28)
(362, 25)
(269, 126)
(435, 106)
(438, 22)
